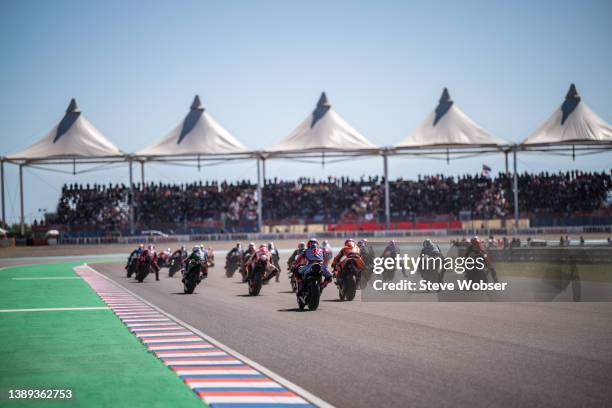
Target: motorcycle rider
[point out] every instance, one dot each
(200, 256)
(237, 250)
(303, 263)
(391, 250)
(299, 251)
(275, 258)
(327, 251)
(477, 249)
(271, 269)
(210, 254)
(246, 256)
(134, 255)
(164, 257)
(150, 251)
(432, 251)
(350, 250)
(181, 252)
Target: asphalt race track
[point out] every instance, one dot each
(356, 354)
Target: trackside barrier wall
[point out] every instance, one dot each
(339, 234)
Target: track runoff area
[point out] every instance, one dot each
(71, 337)
(67, 327)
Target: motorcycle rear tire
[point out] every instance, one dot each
(142, 274)
(314, 295)
(255, 283)
(191, 281)
(349, 285)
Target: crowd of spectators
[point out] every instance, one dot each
(335, 199)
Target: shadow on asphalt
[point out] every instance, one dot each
(183, 293)
(294, 309)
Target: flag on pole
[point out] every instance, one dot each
(485, 170)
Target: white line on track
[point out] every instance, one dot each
(52, 309)
(272, 375)
(49, 278)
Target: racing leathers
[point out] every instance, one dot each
(347, 252)
(200, 257)
(304, 262)
(477, 249)
(134, 255)
(150, 252)
(271, 270)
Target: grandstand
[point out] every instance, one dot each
(335, 204)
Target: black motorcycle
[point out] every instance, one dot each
(368, 261)
(175, 264)
(132, 266)
(232, 264)
(292, 280)
(191, 278)
(349, 280)
(310, 294)
(431, 268)
(144, 268)
(256, 275)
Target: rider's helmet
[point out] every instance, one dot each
(169, 250)
(301, 246)
(270, 246)
(350, 243)
(427, 244)
(325, 244)
(239, 245)
(141, 246)
(362, 242)
(151, 247)
(196, 249)
(183, 247)
(313, 243)
(475, 240)
(251, 245)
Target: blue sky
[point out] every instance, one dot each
(259, 67)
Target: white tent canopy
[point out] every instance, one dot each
(198, 134)
(323, 130)
(573, 122)
(448, 126)
(74, 137)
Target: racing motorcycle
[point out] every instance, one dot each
(350, 276)
(145, 266)
(367, 257)
(175, 263)
(191, 277)
(256, 274)
(292, 280)
(232, 264)
(311, 288)
(132, 266)
(432, 267)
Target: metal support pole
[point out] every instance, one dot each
(2, 190)
(21, 215)
(142, 175)
(506, 156)
(515, 188)
(259, 199)
(263, 170)
(131, 197)
(387, 203)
